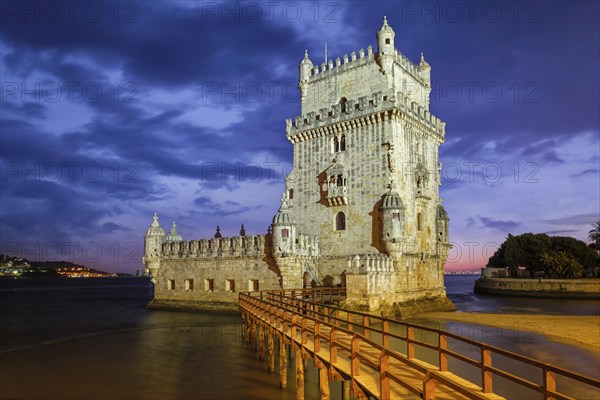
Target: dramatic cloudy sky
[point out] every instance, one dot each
(111, 111)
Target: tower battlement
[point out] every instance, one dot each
(353, 110)
(357, 59)
(235, 246)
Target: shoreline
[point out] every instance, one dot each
(582, 331)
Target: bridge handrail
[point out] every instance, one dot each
(356, 337)
(507, 353)
(295, 299)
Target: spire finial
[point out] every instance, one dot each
(385, 20)
(218, 232)
(155, 217)
(305, 53)
(242, 231)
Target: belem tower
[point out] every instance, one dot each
(361, 207)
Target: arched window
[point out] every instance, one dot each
(343, 104)
(343, 143)
(419, 222)
(336, 145)
(340, 180)
(340, 222)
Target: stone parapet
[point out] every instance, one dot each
(364, 110)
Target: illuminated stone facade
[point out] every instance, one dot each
(361, 206)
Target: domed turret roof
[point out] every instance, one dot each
(392, 200)
(174, 236)
(155, 229)
(306, 60)
(283, 217)
(385, 27)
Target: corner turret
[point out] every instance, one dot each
(425, 71)
(284, 229)
(305, 67)
(392, 222)
(386, 50)
(153, 240)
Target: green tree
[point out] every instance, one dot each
(560, 265)
(594, 235)
(559, 256)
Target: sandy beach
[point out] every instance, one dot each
(580, 331)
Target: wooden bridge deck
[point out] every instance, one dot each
(355, 348)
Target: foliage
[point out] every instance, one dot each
(559, 265)
(552, 256)
(594, 234)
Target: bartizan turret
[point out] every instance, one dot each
(392, 214)
(284, 245)
(386, 50)
(305, 70)
(284, 230)
(425, 71)
(153, 240)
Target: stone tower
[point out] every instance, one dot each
(153, 240)
(361, 206)
(366, 173)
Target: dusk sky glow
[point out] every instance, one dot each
(111, 111)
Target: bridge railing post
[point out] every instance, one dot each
(354, 359)
(428, 387)
(385, 340)
(349, 321)
(410, 345)
(384, 378)
(304, 330)
(549, 382)
(293, 331)
(333, 346)
(486, 374)
(443, 346)
(317, 337)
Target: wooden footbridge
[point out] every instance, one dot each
(380, 358)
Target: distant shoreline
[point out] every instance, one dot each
(527, 287)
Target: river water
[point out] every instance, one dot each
(93, 339)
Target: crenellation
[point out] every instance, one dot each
(364, 106)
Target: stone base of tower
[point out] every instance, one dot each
(411, 308)
(402, 309)
(229, 307)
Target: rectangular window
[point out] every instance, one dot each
(291, 194)
(396, 216)
(253, 285)
(171, 284)
(209, 285)
(189, 284)
(230, 285)
(285, 233)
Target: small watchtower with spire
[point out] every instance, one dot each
(153, 240)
